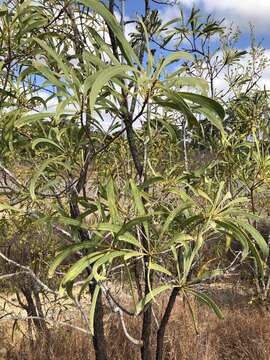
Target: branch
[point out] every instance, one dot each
(29, 271)
(12, 177)
(129, 337)
(54, 322)
(8, 276)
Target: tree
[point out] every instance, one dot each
(100, 188)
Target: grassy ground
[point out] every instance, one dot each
(243, 334)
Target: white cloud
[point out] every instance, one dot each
(129, 29)
(265, 80)
(221, 85)
(240, 11)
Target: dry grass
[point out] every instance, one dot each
(244, 334)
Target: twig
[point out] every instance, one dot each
(8, 276)
(29, 271)
(26, 318)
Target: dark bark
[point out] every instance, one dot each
(111, 34)
(99, 335)
(135, 153)
(147, 8)
(147, 315)
(99, 342)
(31, 310)
(133, 147)
(164, 323)
(146, 333)
(147, 322)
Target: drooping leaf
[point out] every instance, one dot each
(208, 301)
(205, 102)
(171, 59)
(149, 297)
(67, 251)
(102, 78)
(139, 204)
(46, 141)
(130, 239)
(112, 202)
(256, 236)
(125, 46)
(93, 308)
(39, 172)
(159, 268)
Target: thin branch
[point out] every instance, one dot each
(29, 271)
(54, 322)
(8, 276)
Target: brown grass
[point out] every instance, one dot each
(244, 334)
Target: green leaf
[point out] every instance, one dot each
(170, 59)
(183, 195)
(189, 257)
(191, 311)
(171, 218)
(159, 268)
(45, 141)
(61, 107)
(89, 81)
(3, 10)
(205, 102)
(139, 220)
(130, 239)
(212, 118)
(139, 204)
(114, 228)
(206, 275)
(256, 236)
(93, 308)
(130, 254)
(208, 301)
(39, 172)
(4, 206)
(103, 47)
(170, 129)
(102, 78)
(196, 83)
(108, 257)
(236, 232)
(67, 251)
(112, 202)
(175, 102)
(50, 75)
(93, 59)
(79, 266)
(30, 118)
(182, 239)
(57, 57)
(150, 296)
(125, 46)
(72, 222)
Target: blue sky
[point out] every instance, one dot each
(241, 12)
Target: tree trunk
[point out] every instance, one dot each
(164, 323)
(146, 331)
(31, 309)
(147, 315)
(99, 335)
